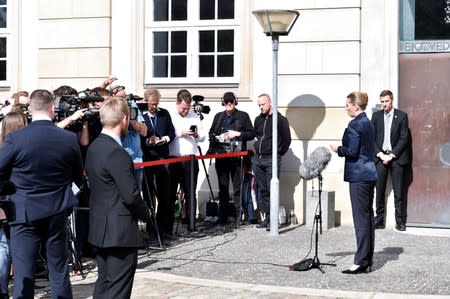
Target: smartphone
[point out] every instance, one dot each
(193, 128)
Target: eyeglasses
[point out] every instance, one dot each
(228, 102)
(116, 89)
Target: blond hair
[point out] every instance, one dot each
(360, 99)
(112, 111)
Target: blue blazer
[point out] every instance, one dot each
(42, 160)
(358, 150)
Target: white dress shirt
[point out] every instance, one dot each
(185, 145)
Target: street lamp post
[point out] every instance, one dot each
(275, 23)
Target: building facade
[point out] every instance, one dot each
(214, 46)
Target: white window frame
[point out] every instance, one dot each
(193, 25)
(6, 33)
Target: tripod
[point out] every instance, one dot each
(212, 208)
(152, 209)
(307, 264)
(74, 253)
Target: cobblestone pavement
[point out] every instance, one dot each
(251, 263)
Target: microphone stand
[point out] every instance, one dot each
(308, 264)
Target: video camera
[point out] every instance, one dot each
(198, 107)
(24, 109)
(135, 105)
(66, 105)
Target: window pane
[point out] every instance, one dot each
(226, 9)
(225, 66)
(178, 66)
(160, 10)
(179, 10)
(179, 42)
(206, 41)
(430, 20)
(160, 66)
(3, 47)
(206, 66)
(3, 17)
(225, 40)
(2, 70)
(160, 42)
(207, 9)
(2, 2)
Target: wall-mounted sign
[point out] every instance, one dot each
(424, 46)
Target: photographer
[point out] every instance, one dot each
(132, 140)
(229, 127)
(67, 122)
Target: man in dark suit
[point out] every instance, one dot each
(155, 145)
(392, 150)
(115, 204)
(43, 161)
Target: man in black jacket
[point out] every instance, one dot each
(262, 161)
(228, 127)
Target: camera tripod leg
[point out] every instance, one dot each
(152, 210)
(73, 246)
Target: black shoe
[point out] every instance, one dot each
(400, 227)
(167, 237)
(263, 224)
(253, 221)
(380, 226)
(360, 269)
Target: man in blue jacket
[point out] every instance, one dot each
(43, 161)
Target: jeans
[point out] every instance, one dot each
(5, 262)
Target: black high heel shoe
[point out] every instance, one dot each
(360, 269)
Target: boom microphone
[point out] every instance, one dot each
(7, 188)
(316, 162)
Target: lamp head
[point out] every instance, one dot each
(276, 21)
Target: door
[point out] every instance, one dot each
(424, 93)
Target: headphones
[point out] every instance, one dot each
(228, 97)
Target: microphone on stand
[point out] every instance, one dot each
(315, 163)
(310, 169)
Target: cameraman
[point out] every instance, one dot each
(136, 128)
(228, 127)
(67, 123)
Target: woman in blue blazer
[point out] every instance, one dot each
(358, 149)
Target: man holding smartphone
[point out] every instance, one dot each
(188, 132)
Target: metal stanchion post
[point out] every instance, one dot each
(192, 208)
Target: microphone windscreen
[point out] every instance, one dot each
(7, 188)
(315, 163)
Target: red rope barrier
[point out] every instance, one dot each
(187, 158)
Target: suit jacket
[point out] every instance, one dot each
(238, 121)
(357, 148)
(400, 138)
(42, 160)
(162, 126)
(115, 201)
